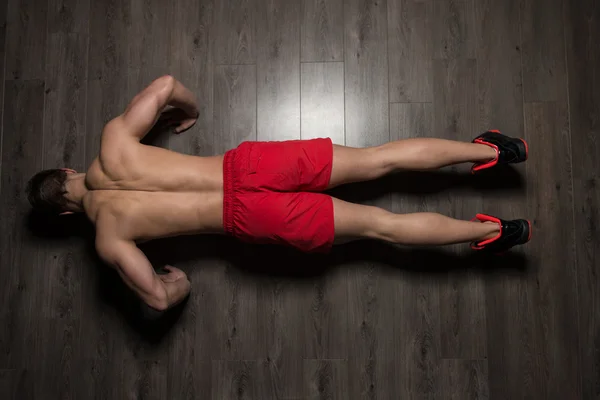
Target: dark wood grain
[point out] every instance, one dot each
(453, 29)
(322, 105)
(69, 16)
(326, 318)
(235, 34)
(465, 379)
(582, 23)
(553, 328)
(543, 50)
(233, 380)
(26, 46)
(234, 316)
(149, 34)
(325, 379)
(21, 299)
(366, 72)
(280, 332)
(322, 30)
(54, 340)
(8, 378)
(278, 70)
(410, 50)
(235, 106)
(3, 23)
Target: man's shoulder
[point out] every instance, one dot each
(100, 209)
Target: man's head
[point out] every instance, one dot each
(49, 192)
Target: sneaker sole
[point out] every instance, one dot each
(524, 147)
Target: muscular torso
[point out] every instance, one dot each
(141, 192)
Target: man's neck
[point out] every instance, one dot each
(76, 190)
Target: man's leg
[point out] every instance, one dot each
(362, 164)
(355, 221)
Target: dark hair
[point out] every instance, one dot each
(46, 191)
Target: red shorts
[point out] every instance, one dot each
(267, 193)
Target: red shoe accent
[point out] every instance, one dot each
(494, 130)
(489, 164)
(530, 230)
(526, 149)
(486, 218)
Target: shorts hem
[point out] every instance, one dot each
(228, 195)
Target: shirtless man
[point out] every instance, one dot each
(266, 192)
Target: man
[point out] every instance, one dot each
(265, 192)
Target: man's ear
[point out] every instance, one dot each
(66, 213)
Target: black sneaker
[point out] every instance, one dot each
(512, 233)
(508, 150)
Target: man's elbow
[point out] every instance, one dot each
(166, 83)
(159, 301)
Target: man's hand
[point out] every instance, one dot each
(176, 282)
(177, 118)
(173, 274)
(146, 108)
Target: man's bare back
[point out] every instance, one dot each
(261, 191)
(144, 192)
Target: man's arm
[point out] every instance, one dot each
(160, 292)
(145, 108)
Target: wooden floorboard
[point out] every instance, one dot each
(410, 50)
(22, 292)
(68, 16)
(234, 380)
(368, 322)
(326, 379)
(453, 28)
(8, 378)
(553, 327)
(26, 43)
(3, 9)
(322, 105)
(543, 51)
(235, 105)
(235, 32)
(322, 30)
(464, 379)
(582, 27)
(278, 70)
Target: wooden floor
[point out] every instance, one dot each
(368, 321)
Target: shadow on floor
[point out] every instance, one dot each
(268, 262)
(503, 179)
